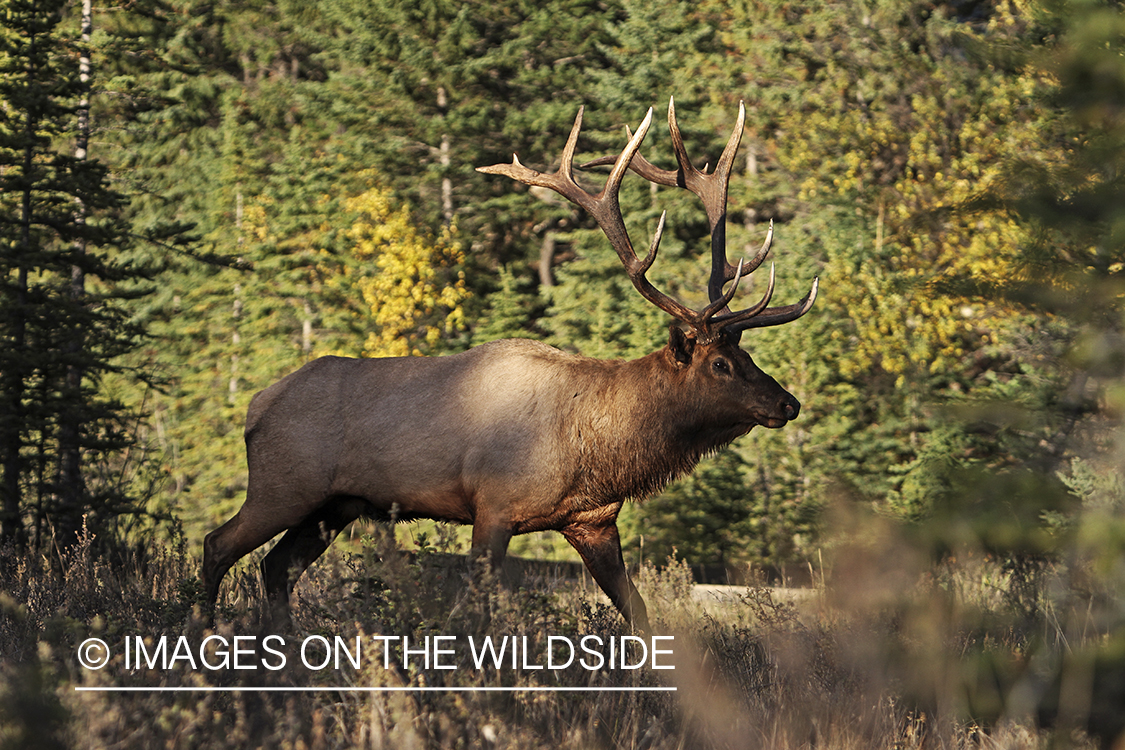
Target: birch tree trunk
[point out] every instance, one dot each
(71, 485)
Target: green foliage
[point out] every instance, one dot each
(510, 309)
(1021, 459)
(299, 178)
(31, 714)
(426, 90)
(727, 512)
(70, 272)
(949, 172)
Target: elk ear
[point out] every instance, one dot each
(680, 344)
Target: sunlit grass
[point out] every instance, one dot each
(919, 657)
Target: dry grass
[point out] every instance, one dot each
(891, 653)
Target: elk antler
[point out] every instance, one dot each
(712, 190)
(606, 210)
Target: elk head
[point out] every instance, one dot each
(703, 344)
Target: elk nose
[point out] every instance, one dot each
(790, 407)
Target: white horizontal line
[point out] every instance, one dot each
(374, 689)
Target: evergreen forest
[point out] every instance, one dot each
(199, 196)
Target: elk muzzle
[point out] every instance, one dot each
(779, 413)
(790, 407)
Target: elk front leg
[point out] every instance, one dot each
(490, 542)
(490, 545)
(600, 547)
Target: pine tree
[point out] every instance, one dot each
(64, 271)
(430, 92)
(510, 310)
(217, 135)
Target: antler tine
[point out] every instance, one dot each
(650, 258)
(730, 319)
(562, 181)
(774, 316)
(726, 161)
(724, 300)
(605, 209)
(566, 163)
(709, 188)
(760, 257)
(687, 171)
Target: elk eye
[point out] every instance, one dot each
(721, 366)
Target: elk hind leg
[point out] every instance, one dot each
(298, 549)
(228, 544)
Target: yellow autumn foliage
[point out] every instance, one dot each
(917, 159)
(413, 292)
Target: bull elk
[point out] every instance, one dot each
(512, 436)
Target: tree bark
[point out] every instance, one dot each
(445, 159)
(71, 485)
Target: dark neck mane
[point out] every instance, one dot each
(634, 433)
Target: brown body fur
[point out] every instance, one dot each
(512, 437)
